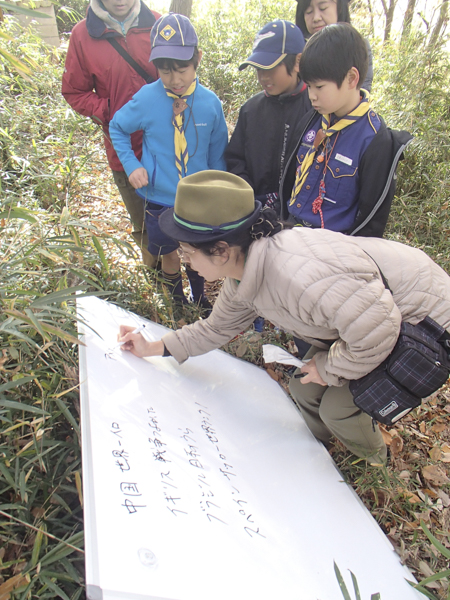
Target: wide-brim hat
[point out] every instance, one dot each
(173, 36)
(209, 206)
(273, 43)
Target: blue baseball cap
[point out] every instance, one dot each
(173, 36)
(273, 43)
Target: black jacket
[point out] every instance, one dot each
(376, 175)
(263, 138)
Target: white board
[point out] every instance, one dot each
(202, 482)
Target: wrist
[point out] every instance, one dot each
(154, 348)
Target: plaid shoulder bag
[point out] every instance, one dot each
(418, 366)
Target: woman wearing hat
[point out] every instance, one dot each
(321, 286)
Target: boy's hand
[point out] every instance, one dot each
(138, 178)
(312, 374)
(137, 344)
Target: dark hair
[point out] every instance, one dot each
(289, 62)
(266, 226)
(332, 52)
(343, 14)
(171, 64)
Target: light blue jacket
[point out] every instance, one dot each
(150, 109)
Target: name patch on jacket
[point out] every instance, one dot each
(344, 159)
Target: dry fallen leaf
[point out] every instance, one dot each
(396, 446)
(425, 569)
(430, 493)
(412, 498)
(444, 497)
(11, 584)
(445, 457)
(439, 427)
(435, 475)
(406, 475)
(254, 338)
(435, 453)
(445, 448)
(273, 374)
(387, 436)
(242, 349)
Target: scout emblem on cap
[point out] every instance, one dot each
(167, 33)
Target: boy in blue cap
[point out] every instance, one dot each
(184, 132)
(263, 134)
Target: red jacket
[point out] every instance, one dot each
(97, 81)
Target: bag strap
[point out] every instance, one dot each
(130, 60)
(440, 333)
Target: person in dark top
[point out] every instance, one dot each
(263, 136)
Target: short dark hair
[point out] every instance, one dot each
(289, 62)
(332, 52)
(171, 64)
(343, 14)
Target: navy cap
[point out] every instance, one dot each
(173, 36)
(273, 43)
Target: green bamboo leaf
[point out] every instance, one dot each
(66, 412)
(18, 213)
(7, 475)
(436, 543)
(9, 385)
(355, 586)
(22, 406)
(60, 333)
(15, 62)
(59, 296)
(36, 323)
(423, 590)
(101, 253)
(55, 588)
(435, 577)
(7, 6)
(341, 582)
(62, 550)
(75, 235)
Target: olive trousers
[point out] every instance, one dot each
(330, 410)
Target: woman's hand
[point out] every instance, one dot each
(137, 344)
(312, 374)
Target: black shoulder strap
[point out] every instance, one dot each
(130, 60)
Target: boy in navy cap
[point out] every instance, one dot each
(263, 134)
(184, 132)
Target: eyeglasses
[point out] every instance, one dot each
(183, 254)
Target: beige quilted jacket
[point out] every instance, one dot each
(321, 285)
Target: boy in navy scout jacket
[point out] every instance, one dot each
(264, 131)
(184, 131)
(342, 174)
